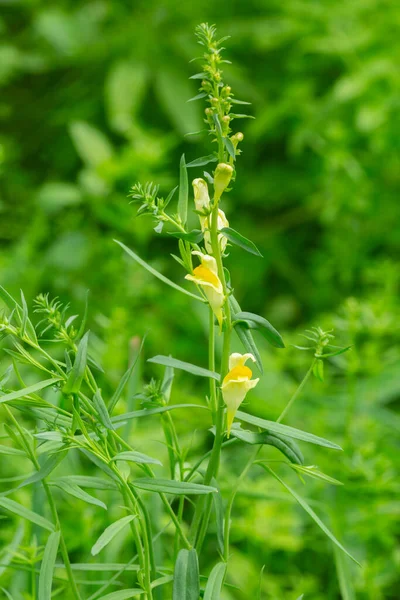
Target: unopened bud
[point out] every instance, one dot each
(222, 177)
(214, 101)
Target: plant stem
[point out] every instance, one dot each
(297, 392)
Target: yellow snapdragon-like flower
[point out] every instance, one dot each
(206, 275)
(236, 384)
(202, 202)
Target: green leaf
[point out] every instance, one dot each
(265, 327)
(48, 467)
(288, 448)
(96, 567)
(101, 410)
(136, 457)
(215, 582)
(24, 317)
(245, 335)
(239, 240)
(75, 377)
(168, 361)
(146, 412)
(312, 514)
(25, 513)
(197, 97)
(194, 237)
(156, 273)
(36, 387)
(47, 567)
(124, 379)
(202, 161)
(95, 483)
(123, 594)
(336, 353)
(167, 486)
(186, 576)
(230, 147)
(312, 471)
(74, 490)
(285, 430)
(110, 532)
(91, 144)
(183, 191)
(13, 305)
(8, 450)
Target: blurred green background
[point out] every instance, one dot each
(93, 97)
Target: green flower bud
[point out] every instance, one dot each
(222, 176)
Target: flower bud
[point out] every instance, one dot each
(222, 176)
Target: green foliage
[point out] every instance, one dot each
(93, 98)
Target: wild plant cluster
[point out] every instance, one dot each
(65, 414)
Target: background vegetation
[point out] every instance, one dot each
(93, 97)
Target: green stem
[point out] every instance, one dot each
(297, 392)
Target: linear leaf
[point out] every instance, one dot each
(156, 273)
(25, 513)
(168, 361)
(186, 576)
(194, 237)
(215, 582)
(95, 567)
(124, 380)
(202, 161)
(312, 514)
(75, 377)
(230, 147)
(11, 451)
(284, 445)
(101, 410)
(219, 516)
(239, 240)
(36, 387)
(146, 412)
(168, 486)
(95, 483)
(270, 333)
(47, 567)
(312, 471)
(74, 490)
(110, 532)
(285, 430)
(137, 457)
(183, 191)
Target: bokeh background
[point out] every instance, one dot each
(93, 98)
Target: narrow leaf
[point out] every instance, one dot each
(11, 451)
(124, 380)
(47, 567)
(288, 448)
(194, 237)
(215, 582)
(168, 361)
(265, 327)
(36, 387)
(183, 191)
(198, 97)
(146, 412)
(136, 457)
(202, 161)
(95, 483)
(156, 273)
(101, 410)
(285, 430)
(74, 490)
(230, 147)
(186, 576)
(167, 486)
(312, 471)
(219, 516)
(312, 514)
(110, 532)
(123, 594)
(25, 513)
(75, 377)
(239, 240)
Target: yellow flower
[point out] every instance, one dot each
(222, 176)
(202, 202)
(206, 275)
(236, 384)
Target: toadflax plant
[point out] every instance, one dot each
(64, 417)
